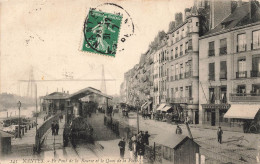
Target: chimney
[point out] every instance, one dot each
(239, 3)
(178, 19)
(250, 9)
(187, 12)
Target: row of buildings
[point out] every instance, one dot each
(208, 65)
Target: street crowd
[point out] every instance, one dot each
(136, 145)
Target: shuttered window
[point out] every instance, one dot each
(211, 71)
(223, 70)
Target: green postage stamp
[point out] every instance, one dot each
(101, 32)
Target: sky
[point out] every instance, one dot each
(46, 35)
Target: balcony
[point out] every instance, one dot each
(176, 77)
(212, 77)
(241, 74)
(223, 76)
(181, 53)
(187, 74)
(223, 51)
(211, 52)
(244, 97)
(255, 74)
(241, 48)
(181, 76)
(188, 100)
(255, 46)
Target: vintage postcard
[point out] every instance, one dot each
(130, 81)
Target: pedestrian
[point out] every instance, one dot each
(57, 128)
(60, 117)
(146, 138)
(219, 133)
(130, 147)
(178, 130)
(121, 145)
(140, 150)
(53, 128)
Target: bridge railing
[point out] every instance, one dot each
(41, 131)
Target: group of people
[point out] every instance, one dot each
(136, 145)
(55, 128)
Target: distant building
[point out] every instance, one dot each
(229, 70)
(181, 72)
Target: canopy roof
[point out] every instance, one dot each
(242, 111)
(87, 91)
(56, 96)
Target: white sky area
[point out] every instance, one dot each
(47, 35)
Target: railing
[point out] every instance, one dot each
(246, 97)
(188, 74)
(241, 74)
(211, 52)
(181, 75)
(181, 53)
(222, 50)
(223, 75)
(212, 77)
(255, 74)
(181, 100)
(255, 46)
(41, 131)
(241, 48)
(176, 77)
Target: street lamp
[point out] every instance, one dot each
(19, 104)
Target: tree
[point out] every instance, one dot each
(171, 26)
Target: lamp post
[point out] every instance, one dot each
(19, 104)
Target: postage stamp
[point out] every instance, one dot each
(101, 32)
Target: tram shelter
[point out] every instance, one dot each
(73, 104)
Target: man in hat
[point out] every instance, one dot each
(219, 133)
(178, 130)
(121, 145)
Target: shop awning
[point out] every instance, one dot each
(166, 108)
(144, 105)
(242, 111)
(161, 107)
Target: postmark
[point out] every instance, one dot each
(101, 32)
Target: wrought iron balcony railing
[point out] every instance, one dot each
(222, 50)
(241, 74)
(244, 97)
(255, 74)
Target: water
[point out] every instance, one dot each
(14, 112)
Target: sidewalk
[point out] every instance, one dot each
(23, 147)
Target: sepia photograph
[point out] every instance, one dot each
(130, 81)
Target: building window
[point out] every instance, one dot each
(212, 71)
(223, 47)
(176, 52)
(256, 39)
(181, 50)
(223, 94)
(242, 73)
(181, 71)
(186, 47)
(188, 69)
(190, 45)
(255, 90)
(241, 42)
(176, 71)
(223, 70)
(181, 91)
(197, 24)
(211, 95)
(176, 92)
(172, 93)
(255, 67)
(241, 90)
(211, 49)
